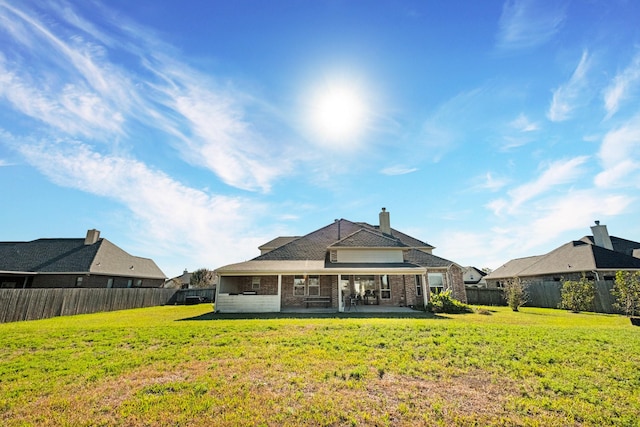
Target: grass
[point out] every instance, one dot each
(182, 366)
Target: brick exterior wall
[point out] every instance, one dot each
(268, 285)
(328, 287)
(456, 283)
(402, 287)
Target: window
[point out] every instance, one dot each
(110, 282)
(385, 287)
(129, 283)
(418, 285)
(78, 282)
(436, 283)
(255, 283)
(298, 286)
(139, 283)
(313, 285)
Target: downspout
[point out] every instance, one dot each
(596, 273)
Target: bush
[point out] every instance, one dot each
(515, 293)
(626, 290)
(444, 303)
(578, 295)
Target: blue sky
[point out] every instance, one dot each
(193, 132)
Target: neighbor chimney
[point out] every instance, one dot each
(385, 222)
(92, 236)
(601, 236)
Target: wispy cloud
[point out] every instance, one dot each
(557, 173)
(622, 87)
(172, 217)
(532, 231)
(441, 132)
(398, 170)
(523, 124)
(567, 97)
(489, 182)
(620, 156)
(520, 131)
(529, 23)
(77, 91)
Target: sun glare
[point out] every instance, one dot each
(338, 114)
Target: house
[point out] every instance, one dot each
(179, 282)
(92, 262)
(598, 257)
(473, 276)
(338, 265)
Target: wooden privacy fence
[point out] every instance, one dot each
(543, 294)
(485, 296)
(33, 304)
(549, 294)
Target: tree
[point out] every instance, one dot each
(201, 278)
(626, 290)
(578, 295)
(515, 293)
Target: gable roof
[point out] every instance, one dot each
(575, 256)
(48, 255)
(513, 268)
(74, 256)
(277, 242)
(619, 244)
(365, 238)
(311, 252)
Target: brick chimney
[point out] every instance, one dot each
(601, 236)
(385, 222)
(92, 236)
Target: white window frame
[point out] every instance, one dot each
(385, 287)
(436, 288)
(313, 286)
(299, 288)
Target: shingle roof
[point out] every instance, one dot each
(277, 242)
(73, 256)
(427, 260)
(365, 238)
(619, 244)
(48, 255)
(313, 246)
(575, 256)
(513, 267)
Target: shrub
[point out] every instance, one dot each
(445, 303)
(515, 294)
(626, 290)
(578, 295)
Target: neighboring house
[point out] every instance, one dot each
(340, 264)
(179, 282)
(598, 257)
(473, 276)
(92, 262)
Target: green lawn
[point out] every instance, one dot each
(175, 366)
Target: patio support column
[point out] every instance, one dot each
(425, 288)
(279, 292)
(340, 296)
